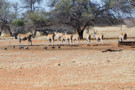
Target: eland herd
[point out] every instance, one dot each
(68, 39)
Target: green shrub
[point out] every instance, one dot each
(18, 22)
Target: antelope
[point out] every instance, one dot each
(76, 38)
(58, 37)
(50, 38)
(88, 37)
(67, 38)
(99, 37)
(123, 36)
(24, 37)
(63, 39)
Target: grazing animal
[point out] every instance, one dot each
(123, 36)
(58, 37)
(88, 37)
(63, 39)
(50, 38)
(76, 38)
(24, 37)
(99, 37)
(67, 38)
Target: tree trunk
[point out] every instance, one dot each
(9, 30)
(81, 30)
(1, 31)
(80, 34)
(31, 7)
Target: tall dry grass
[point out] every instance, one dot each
(113, 31)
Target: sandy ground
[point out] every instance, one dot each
(68, 68)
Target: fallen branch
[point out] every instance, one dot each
(111, 50)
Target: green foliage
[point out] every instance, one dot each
(36, 17)
(18, 22)
(63, 4)
(88, 15)
(74, 6)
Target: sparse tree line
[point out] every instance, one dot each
(74, 14)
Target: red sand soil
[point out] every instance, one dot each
(69, 68)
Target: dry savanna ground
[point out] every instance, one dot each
(68, 68)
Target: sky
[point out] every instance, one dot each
(46, 8)
(43, 4)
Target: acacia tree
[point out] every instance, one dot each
(31, 5)
(15, 9)
(82, 13)
(79, 13)
(76, 13)
(36, 20)
(5, 16)
(121, 8)
(18, 25)
(34, 17)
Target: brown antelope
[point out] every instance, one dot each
(24, 37)
(123, 36)
(63, 39)
(76, 38)
(99, 37)
(50, 38)
(58, 37)
(88, 37)
(68, 38)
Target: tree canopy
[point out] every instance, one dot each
(82, 13)
(77, 14)
(31, 4)
(18, 22)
